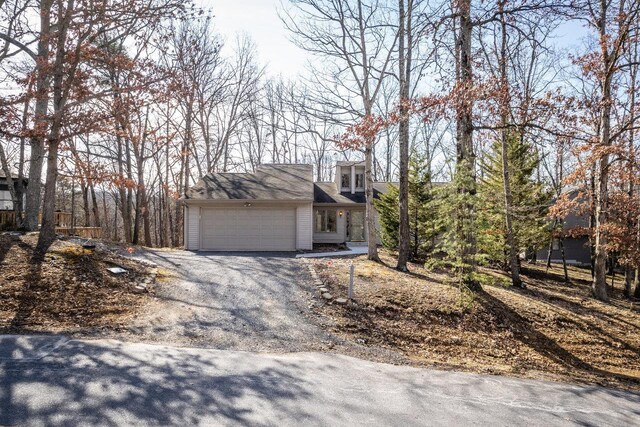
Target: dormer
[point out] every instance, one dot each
(350, 177)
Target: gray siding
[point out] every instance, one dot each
(576, 252)
(339, 236)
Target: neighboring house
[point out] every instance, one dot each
(6, 203)
(576, 251)
(576, 247)
(277, 208)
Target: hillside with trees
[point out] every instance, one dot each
(112, 110)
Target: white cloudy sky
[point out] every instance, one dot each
(259, 19)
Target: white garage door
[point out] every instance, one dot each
(248, 229)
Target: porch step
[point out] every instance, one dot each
(356, 244)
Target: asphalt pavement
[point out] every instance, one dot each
(231, 301)
(55, 381)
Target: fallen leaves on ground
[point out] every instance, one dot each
(69, 290)
(551, 330)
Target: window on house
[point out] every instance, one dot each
(359, 180)
(555, 245)
(5, 200)
(345, 181)
(325, 220)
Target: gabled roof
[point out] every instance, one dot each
(350, 163)
(3, 177)
(327, 192)
(268, 182)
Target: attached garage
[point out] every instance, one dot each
(268, 210)
(248, 229)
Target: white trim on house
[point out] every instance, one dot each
(353, 179)
(304, 227)
(192, 228)
(241, 202)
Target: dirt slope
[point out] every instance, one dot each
(550, 330)
(70, 290)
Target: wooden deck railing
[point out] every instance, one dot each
(7, 218)
(62, 219)
(63, 225)
(85, 232)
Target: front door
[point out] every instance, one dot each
(355, 226)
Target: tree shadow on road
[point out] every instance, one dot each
(116, 387)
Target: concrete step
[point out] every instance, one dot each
(356, 244)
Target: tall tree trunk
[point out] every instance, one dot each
(389, 149)
(514, 266)
(146, 220)
(466, 161)
(553, 227)
(133, 237)
(372, 244)
(122, 193)
(629, 271)
(19, 205)
(592, 222)
(564, 261)
(106, 217)
(32, 202)
(85, 203)
(142, 203)
(94, 205)
(92, 190)
(48, 228)
(167, 207)
(61, 70)
(115, 216)
(404, 73)
(136, 218)
(73, 207)
(370, 212)
(599, 285)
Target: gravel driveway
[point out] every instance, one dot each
(243, 301)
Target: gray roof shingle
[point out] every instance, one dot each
(327, 192)
(269, 182)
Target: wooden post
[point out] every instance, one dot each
(351, 270)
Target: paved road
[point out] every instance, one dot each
(55, 381)
(243, 301)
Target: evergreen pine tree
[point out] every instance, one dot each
(389, 217)
(422, 228)
(530, 201)
(449, 225)
(421, 217)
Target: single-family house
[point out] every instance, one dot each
(575, 244)
(278, 207)
(7, 214)
(6, 203)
